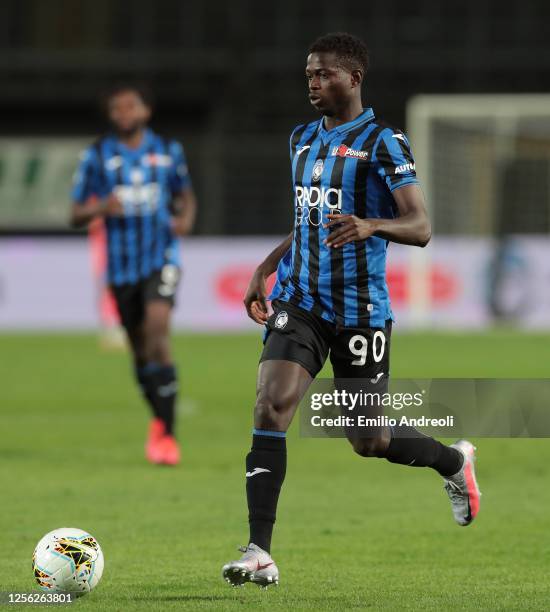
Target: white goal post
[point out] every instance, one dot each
(471, 153)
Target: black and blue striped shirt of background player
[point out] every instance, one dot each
(354, 168)
(145, 180)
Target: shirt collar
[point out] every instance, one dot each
(145, 142)
(365, 116)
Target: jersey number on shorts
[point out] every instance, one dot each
(169, 276)
(358, 346)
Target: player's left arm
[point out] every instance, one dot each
(412, 226)
(184, 209)
(184, 202)
(394, 163)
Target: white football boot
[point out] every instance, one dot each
(462, 488)
(256, 565)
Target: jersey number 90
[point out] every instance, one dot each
(359, 346)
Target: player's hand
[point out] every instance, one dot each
(180, 226)
(111, 206)
(254, 298)
(349, 228)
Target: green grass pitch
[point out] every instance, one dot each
(351, 533)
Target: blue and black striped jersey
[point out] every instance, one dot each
(145, 180)
(351, 169)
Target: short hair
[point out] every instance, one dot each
(140, 89)
(350, 50)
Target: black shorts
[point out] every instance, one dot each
(132, 298)
(294, 334)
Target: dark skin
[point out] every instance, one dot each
(335, 91)
(129, 115)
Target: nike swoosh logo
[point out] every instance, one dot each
(256, 471)
(261, 567)
(302, 149)
(400, 136)
(378, 377)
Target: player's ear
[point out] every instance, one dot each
(356, 78)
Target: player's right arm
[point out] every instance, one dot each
(255, 296)
(84, 213)
(88, 200)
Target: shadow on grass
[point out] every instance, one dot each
(183, 598)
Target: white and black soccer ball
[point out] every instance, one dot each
(67, 560)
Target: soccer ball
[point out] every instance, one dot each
(67, 560)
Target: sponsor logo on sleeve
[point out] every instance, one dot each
(405, 168)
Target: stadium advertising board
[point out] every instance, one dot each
(472, 283)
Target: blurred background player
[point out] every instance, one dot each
(139, 184)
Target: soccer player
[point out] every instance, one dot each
(138, 182)
(355, 189)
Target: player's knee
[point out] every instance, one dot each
(266, 414)
(158, 349)
(370, 447)
(270, 412)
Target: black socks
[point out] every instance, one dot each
(166, 389)
(410, 447)
(265, 473)
(266, 469)
(160, 386)
(145, 382)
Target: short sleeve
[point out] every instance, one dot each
(86, 179)
(179, 172)
(295, 139)
(395, 162)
